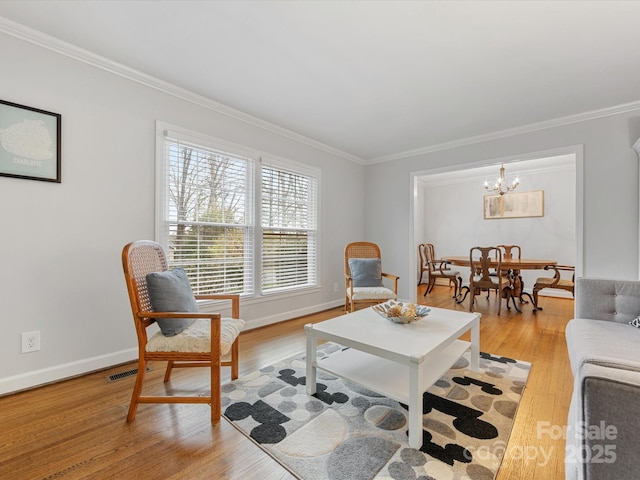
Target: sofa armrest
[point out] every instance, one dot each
(602, 437)
(606, 299)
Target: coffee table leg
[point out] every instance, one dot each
(475, 347)
(312, 351)
(415, 408)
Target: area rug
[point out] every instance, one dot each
(347, 432)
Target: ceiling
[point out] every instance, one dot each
(376, 80)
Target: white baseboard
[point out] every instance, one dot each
(56, 373)
(37, 378)
(290, 314)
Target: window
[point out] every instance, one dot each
(288, 228)
(236, 221)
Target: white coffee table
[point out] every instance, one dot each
(400, 361)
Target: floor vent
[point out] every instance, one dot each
(121, 375)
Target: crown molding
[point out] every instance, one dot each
(580, 117)
(471, 176)
(61, 47)
(35, 37)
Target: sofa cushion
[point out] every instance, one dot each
(170, 291)
(604, 343)
(613, 300)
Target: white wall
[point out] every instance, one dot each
(61, 243)
(609, 227)
(453, 220)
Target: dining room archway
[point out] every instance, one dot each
(447, 208)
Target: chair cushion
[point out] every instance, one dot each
(543, 282)
(372, 293)
(366, 272)
(478, 279)
(170, 291)
(196, 337)
(445, 273)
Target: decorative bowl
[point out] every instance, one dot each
(400, 311)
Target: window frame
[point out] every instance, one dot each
(256, 290)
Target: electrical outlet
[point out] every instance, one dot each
(335, 287)
(30, 342)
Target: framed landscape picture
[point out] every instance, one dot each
(514, 205)
(29, 143)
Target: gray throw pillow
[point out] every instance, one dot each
(366, 272)
(170, 291)
(635, 322)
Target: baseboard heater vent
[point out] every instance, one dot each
(121, 375)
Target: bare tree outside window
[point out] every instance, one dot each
(206, 204)
(213, 228)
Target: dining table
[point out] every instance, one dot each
(513, 264)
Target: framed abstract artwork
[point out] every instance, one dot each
(29, 143)
(514, 205)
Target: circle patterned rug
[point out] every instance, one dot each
(347, 432)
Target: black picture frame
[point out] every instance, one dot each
(30, 143)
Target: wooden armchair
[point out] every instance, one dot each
(554, 282)
(363, 276)
(437, 269)
(200, 344)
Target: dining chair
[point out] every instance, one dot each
(363, 276)
(554, 282)
(509, 252)
(437, 269)
(187, 338)
(484, 260)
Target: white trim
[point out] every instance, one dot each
(636, 147)
(63, 48)
(291, 314)
(479, 178)
(44, 376)
(556, 122)
(37, 378)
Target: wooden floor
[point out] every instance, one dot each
(76, 429)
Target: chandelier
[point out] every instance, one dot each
(501, 187)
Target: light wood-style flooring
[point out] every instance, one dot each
(76, 429)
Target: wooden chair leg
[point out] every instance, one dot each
(431, 284)
(137, 390)
(215, 389)
(234, 360)
(535, 300)
(167, 373)
(457, 286)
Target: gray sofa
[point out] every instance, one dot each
(603, 430)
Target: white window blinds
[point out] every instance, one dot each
(210, 223)
(289, 231)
